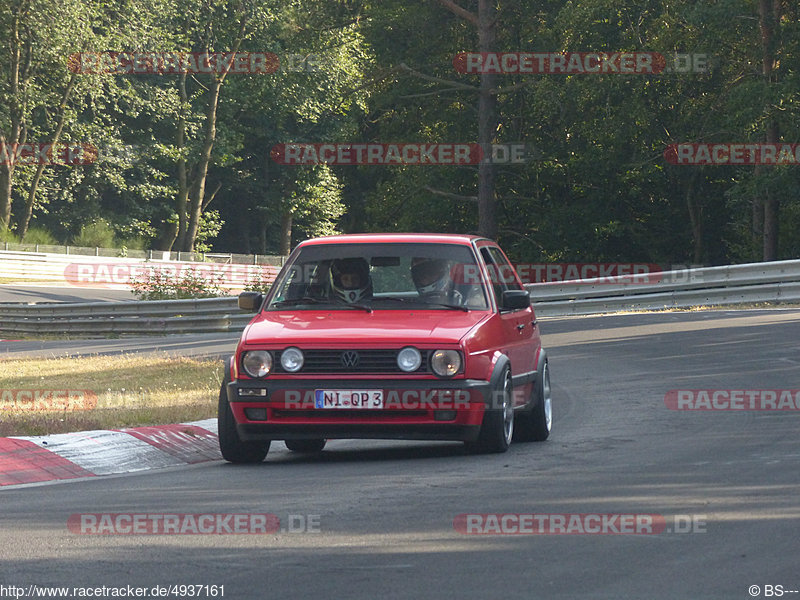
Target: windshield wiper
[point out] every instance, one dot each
(450, 306)
(356, 306)
(311, 300)
(423, 303)
(394, 298)
(303, 300)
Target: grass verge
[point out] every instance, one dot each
(58, 395)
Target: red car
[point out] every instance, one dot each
(387, 336)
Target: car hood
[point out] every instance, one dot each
(356, 327)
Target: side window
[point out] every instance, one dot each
(497, 286)
(505, 271)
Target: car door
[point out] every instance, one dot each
(520, 334)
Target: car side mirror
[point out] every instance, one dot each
(250, 301)
(515, 299)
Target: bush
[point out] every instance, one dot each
(35, 235)
(38, 235)
(258, 282)
(6, 235)
(98, 234)
(157, 284)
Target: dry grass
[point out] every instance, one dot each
(105, 392)
(27, 280)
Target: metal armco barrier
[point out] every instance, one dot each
(777, 281)
(751, 283)
(46, 267)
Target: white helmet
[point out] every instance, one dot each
(350, 279)
(431, 276)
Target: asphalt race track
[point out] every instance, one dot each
(49, 292)
(382, 514)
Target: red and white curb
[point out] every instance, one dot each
(92, 453)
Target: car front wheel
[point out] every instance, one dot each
(230, 444)
(498, 420)
(534, 425)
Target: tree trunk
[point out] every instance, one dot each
(262, 235)
(198, 189)
(485, 22)
(286, 233)
(487, 124)
(183, 186)
(22, 230)
(19, 69)
(696, 221)
(769, 19)
(6, 186)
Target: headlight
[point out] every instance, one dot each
(257, 363)
(292, 360)
(445, 363)
(409, 359)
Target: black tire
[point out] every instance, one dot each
(534, 424)
(497, 428)
(232, 447)
(305, 446)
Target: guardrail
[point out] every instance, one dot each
(149, 317)
(165, 255)
(777, 281)
(118, 272)
(751, 283)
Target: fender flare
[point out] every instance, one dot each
(228, 362)
(500, 366)
(535, 399)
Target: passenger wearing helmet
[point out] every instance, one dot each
(432, 279)
(350, 279)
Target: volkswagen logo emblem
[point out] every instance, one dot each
(350, 359)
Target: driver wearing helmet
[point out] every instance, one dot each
(432, 279)
(350, 279)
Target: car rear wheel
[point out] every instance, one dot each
(498, 421)
(534, 425)
(230, 444)
(305, 446)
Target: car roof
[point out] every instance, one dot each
(395, 238)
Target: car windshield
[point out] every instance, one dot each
(390, 276)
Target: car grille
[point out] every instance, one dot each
(352, 361)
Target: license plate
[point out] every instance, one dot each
(348, 398)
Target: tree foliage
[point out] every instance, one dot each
(184, 160)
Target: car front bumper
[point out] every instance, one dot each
(418, 409)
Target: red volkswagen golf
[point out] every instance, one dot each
(387, 336)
